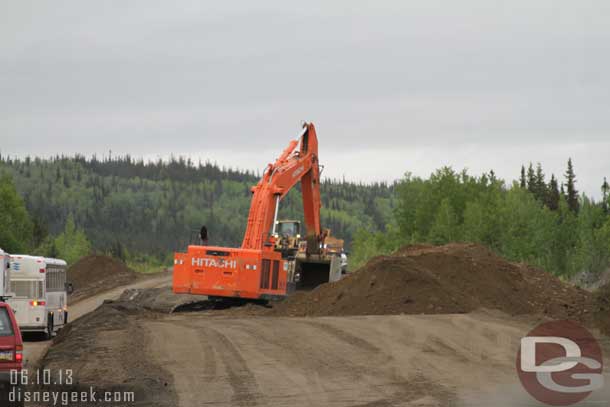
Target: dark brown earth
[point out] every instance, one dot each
(421, 279)
(97, 273)
(455, 278)
(450, 279)
(106, 349)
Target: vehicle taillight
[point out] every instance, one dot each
(38, 303)
(41, 271)
(18, 353)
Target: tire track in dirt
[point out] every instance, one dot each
(209, 369)
(302, 383)
(246, 391)
(372, 361)
(191, 362)
(209, 359)
(345, 336)
(313, 372)
(337, 368)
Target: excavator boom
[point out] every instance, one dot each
(293, 166)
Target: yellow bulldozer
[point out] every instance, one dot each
(330, 257)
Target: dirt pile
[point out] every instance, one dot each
(455, 278)
(96, 273)
(105, 349)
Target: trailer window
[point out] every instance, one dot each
(6, 328)
(56, 279)
(28, 288)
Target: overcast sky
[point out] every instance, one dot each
(392, 86)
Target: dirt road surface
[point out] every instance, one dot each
(34, 348)
(400, 360)
(211, 358)
(363, 341)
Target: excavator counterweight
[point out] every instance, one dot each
(264, 267)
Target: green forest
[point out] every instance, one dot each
(142, 212)
(544, 223)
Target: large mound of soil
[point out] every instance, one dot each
(96, 273)
(454, 278)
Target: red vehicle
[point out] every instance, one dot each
(11, 345)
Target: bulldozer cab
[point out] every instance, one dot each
(312, 267)
(289, 228)
(288, 236)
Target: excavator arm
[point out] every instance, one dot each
(294, 165)
(257, 270)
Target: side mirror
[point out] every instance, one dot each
(69, 288)
(203, 234)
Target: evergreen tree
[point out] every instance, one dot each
(522, 180)
(531, 179)
(118, 251)
(553, 195)
(492, 176)
(572, 193)
(540, 185)
(40, 231)
(605, 191)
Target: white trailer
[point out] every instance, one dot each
(57, 289)
(38, 293)
(4, 264)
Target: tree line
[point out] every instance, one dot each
(143, 211)
(133, 209)
(550, 194)
(547, 224)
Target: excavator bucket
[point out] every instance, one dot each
(313, 270)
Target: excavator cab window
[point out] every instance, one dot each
(288, 229)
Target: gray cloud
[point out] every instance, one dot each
(393, 86)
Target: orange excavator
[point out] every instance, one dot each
(266, 266)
